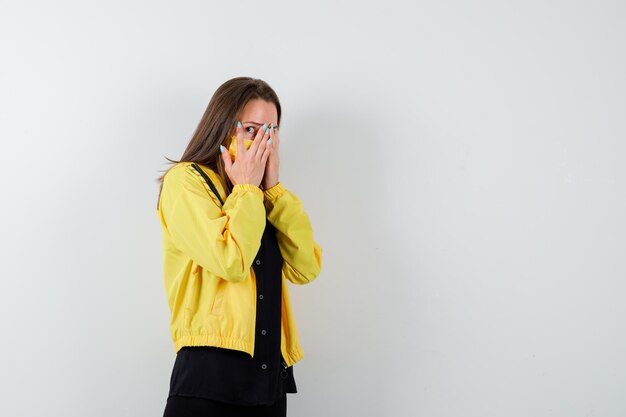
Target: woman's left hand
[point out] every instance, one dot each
(270, 178)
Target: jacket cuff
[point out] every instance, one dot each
(248, 187)
(274, 192)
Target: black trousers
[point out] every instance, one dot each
(182, 406)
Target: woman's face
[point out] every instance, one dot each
(254, 114)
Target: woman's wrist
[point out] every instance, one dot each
(274, 191)
(267, 186)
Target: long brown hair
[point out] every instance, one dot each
(218, 121)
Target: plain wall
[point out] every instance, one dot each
(461, 164)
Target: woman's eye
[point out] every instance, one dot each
(250, 129)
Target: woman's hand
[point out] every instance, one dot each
(249, 165)
(270, 178)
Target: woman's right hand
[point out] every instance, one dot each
(249, 165)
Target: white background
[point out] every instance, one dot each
(461, 163)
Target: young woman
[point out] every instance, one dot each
(233, 236)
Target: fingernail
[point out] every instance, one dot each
(264, 127)
(269, 141)
(222, 148)
(238, 123)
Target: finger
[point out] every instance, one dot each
(271, 134)
(240, 146)
(263, 145)
(257, 140)
(260, 146)
(228, 163)
(266, 154)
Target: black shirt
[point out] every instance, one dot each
(230, 375)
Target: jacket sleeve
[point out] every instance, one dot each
(302, 255)
(223, 240)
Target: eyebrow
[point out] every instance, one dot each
(258, 124)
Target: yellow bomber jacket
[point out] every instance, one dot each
(208, 252)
